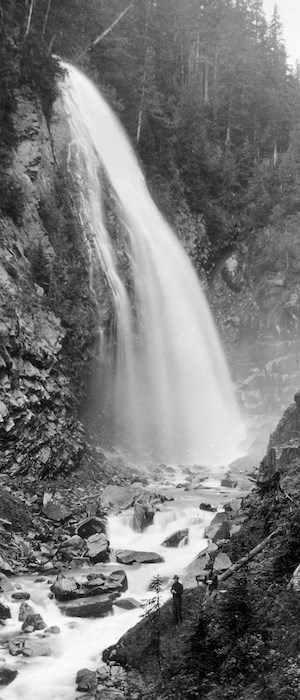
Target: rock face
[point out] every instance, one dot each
(48, 319)
(175, 539)
(98, 548)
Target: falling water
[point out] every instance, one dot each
(170, 396)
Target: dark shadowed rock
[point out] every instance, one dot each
(126, 556)
(119, 579)
(4, 612)
(56, 512)
(33, 622)
(142, 516)
(74, 542)
(86, 680)
(25, 610)
(20, 595)
(88, 607)
(207, 507)
(98, 548)
(175, 539)
(7, 675)
(90, 526)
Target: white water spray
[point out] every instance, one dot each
(170, 392)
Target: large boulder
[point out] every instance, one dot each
(4, 612)
(64, 588)
(97, 606)
(90, 526)
(177, 538)
(127, 556)
(127, 603)
(98, 548)
(33, 622)
(36, 647)
(219, 528)
(25, 610)
(7, 675)
(86, 680)
(142, 516)
(56, 512)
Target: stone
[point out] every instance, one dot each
(90, 526)
(5, 568)
(98, 606)
(33, 622)
(218, 531)
(127, 603)
(25, 610)
(56, 512)
(222, 562)
(15, 647)
(5, 613)
(142, 516)
(86, 680)
(177, 538)
(7, 675)
(52, 630)
(20, 595)
(295, 580)
(64, 588)
(74, 542)
(98, 548)
(5, 584)
(207, 507)
(126, 556)
(119, 579)
(234, 506)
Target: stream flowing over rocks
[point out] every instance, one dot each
(72, 598)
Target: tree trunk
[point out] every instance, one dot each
(29, 17)
(244, 560)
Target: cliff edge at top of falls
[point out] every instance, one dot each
(245, 642)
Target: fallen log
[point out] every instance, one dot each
(244, 560)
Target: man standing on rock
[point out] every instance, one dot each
(177, 591)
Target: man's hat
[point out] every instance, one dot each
(175, 576)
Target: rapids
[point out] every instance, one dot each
(81, 641)
(169, 396)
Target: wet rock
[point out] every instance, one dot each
(207, 507)
(52, 630)
(15, 647)
(4, 612)
(33, 622)
(20, 595)
(126, 556)
(87, 607)
(142, 517)
(222, 562)
(25, 610)
(56, 512)
(119, 579)
(90, 526)
(219, 528)
(127, 603)
(86, 680)
(7, 675)
(175, 539)
(64, 588)
(98, 548)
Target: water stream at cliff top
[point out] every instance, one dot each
(169, 396)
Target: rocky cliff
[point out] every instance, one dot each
(49, 319)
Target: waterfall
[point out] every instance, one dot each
(169, 396)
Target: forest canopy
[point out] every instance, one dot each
(203, 88)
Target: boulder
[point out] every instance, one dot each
(20, 595)
(127, 603)
(5, 584)
(7, 675)
(25, 610)
(295, 580)
(233, 507)
(207, 507)
(98, 606)
(52, 630)
(98, 548)
(4, 612)
(90, 526)
(219, 528)
(86, 680)
(56, 512)
(175, 539)
(15, 647)
(33, 622)
(127, 556)
(64, 588)
(142, 517)
(120, 497)
(119, 579)
(222, 562)
(5, 568)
